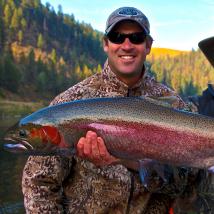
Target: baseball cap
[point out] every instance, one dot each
(207, 47)
(127, 13)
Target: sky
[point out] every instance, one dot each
(175, 24)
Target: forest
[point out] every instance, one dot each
(44, 51)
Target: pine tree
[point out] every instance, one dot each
(53, 56)
(30, 73)
(1, 33)
(10, 75)
(37, 3)
(23, 23)
(20, 12)
(15, 20)
(40, 41)
(12, 4)
(7, 15)
(27, 3)
(1, 73)
(20, 36)
(86, 72)
(60, 11)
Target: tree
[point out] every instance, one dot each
(10, 75)
(37, 3)
(53, 56)
(20, 36)
(23, 23)
(41, 81)
(20, 12)
(12, 4)
(48, 6)
(41, 77)
(15, 20)
(7, 15)
(52, 78)
(1, 73)
(1, 33)
(40, 41)
(99, 68)
(86, 71)
(30, 73)
(27, 3)
(60, 11)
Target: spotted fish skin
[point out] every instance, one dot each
(132, 128)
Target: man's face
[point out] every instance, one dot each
(127, 59)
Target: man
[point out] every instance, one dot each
(205, 102)
(94, 181)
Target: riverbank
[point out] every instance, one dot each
(17, 109)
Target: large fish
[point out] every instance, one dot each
(132, 128)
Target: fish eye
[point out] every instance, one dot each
(22, 133)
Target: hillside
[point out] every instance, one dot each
(44, 51)
(165, 52)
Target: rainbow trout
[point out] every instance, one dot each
(132, 128)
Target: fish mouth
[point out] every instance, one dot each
(17, 145)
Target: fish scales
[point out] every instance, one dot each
(134, 128)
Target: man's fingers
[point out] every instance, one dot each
(80, 146)
(106, 156)
(102, 148)
(92, 137)
(87, 148)
(93, 148)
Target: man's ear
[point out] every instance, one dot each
(149, 42)
(105, 44)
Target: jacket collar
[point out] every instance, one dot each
(109, 76)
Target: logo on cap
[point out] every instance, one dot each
(128, 12)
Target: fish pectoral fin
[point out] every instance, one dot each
(145, 171)
(150, 169)
(211, 169)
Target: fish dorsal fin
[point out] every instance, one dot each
(166, 101)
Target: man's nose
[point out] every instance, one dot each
(127, 44)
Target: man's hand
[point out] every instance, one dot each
(92, 148)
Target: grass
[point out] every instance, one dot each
(10, 109)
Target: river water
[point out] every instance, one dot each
(11, 167)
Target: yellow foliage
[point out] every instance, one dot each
(19, 51)
(164, 52)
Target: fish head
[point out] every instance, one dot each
(33, 139)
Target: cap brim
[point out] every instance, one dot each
(207, 47)
(124, 19)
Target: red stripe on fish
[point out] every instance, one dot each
(47, 134)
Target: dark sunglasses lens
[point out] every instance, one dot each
(137, 38)
(119, 38)
(116, 38)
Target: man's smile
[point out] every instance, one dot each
(127, 58)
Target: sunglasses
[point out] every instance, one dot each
(119, 38)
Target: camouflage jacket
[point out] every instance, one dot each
(54, 184)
